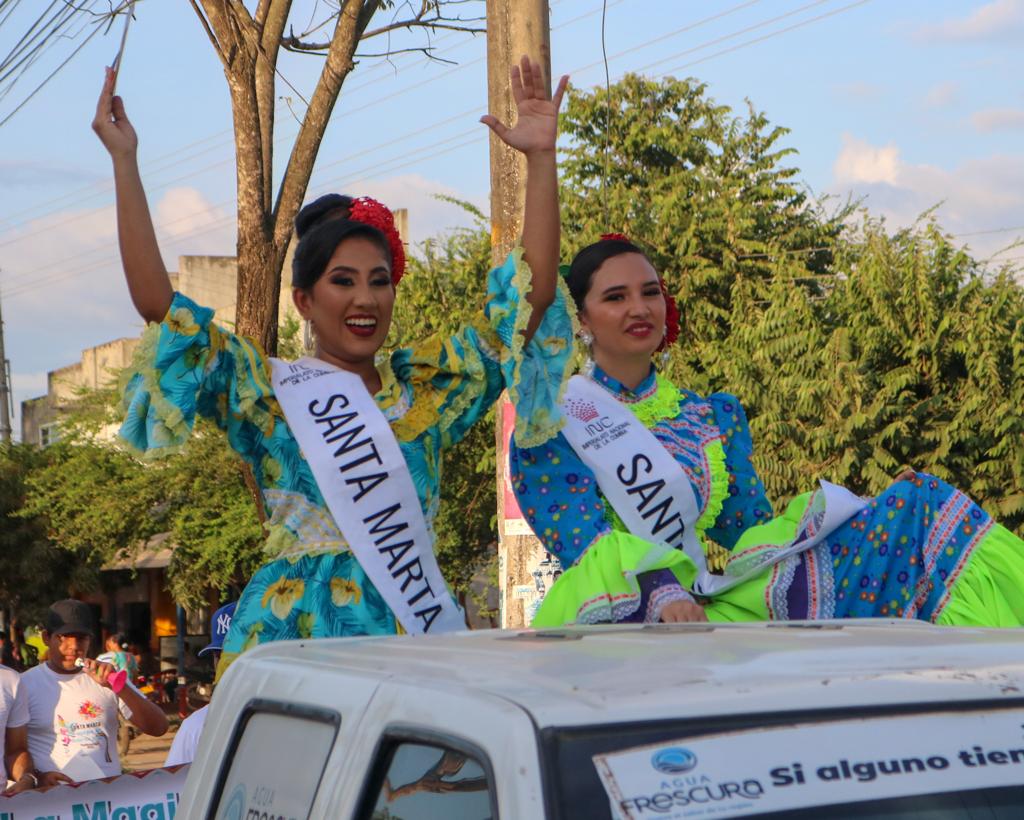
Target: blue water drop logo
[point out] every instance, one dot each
(674, 760)
(235, 809)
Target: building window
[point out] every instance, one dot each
(49, 433)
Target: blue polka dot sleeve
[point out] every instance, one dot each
(747, 503)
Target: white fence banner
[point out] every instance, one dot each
(753, 772)
(149, 795)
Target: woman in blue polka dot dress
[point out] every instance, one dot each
(921, 549)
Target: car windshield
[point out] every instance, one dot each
(896, 765)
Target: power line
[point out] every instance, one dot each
(40, 37)
(772, 34)
(28, 286)
(369, 173)
(990, 230)
(175, 159)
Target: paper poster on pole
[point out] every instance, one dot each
(513, 522)
(149, 795)
(753, 772)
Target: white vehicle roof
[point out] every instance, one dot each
(586, 675)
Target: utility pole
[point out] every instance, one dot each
(514, 28)
(5, 388)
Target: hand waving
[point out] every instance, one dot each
(111, 123)
(536, 125)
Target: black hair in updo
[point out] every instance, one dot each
(588, 260)
(321, 226)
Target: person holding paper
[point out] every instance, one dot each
(345, 447)
(649, 500)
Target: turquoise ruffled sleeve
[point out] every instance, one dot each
(455, 380)
(746, 503)
(185, 367)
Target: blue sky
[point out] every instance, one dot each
(906, 103)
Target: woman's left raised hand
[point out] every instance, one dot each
(536, 127)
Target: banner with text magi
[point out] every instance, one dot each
(752, 772)
(149, 795)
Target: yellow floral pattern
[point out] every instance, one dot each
(431, 393)
(345, 592)
(282, 596)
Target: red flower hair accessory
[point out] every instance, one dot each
(671, 317)
(377, 215)
(615, 237)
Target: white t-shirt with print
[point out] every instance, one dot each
(72, 726)
(186, 739)
(13, 713)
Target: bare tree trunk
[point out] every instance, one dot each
(248, 46)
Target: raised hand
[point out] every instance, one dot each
(536, 127)
(111, 123)
(99, 671)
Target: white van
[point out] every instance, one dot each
(851, 719)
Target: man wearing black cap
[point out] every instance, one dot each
(72, 705)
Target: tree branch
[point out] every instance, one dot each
(443, 23)
(274, 17)
(209, 33)
(420, 19)
(427, 50)
(336, 68)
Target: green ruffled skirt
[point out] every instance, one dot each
(921, 550)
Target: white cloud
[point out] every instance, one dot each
(859, 90)
(62, 285)
(998, 21)
(184, 212)
(998, 119)
(977, 195)
(860, 162)
(942, 95)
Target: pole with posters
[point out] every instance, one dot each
(5, 390)
(514, 28)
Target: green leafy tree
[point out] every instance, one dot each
(33, 570)
(855, 350)
(706, 192)
(99, 502)
(443, 288)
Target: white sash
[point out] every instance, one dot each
(365, 482)
(648, 489)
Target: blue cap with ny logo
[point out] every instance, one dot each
(219, 625)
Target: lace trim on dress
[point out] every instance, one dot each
(662, 597)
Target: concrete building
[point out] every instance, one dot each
(133, 597)
(208, 280)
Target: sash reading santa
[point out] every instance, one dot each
(651, 493)
(366, 484)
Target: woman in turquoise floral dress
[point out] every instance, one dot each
(312, 585)
(920, 550)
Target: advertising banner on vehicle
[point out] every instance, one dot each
(753, 772)
(149, 795)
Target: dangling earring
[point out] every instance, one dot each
(587, 338)
(308, 338)
(664, 353)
